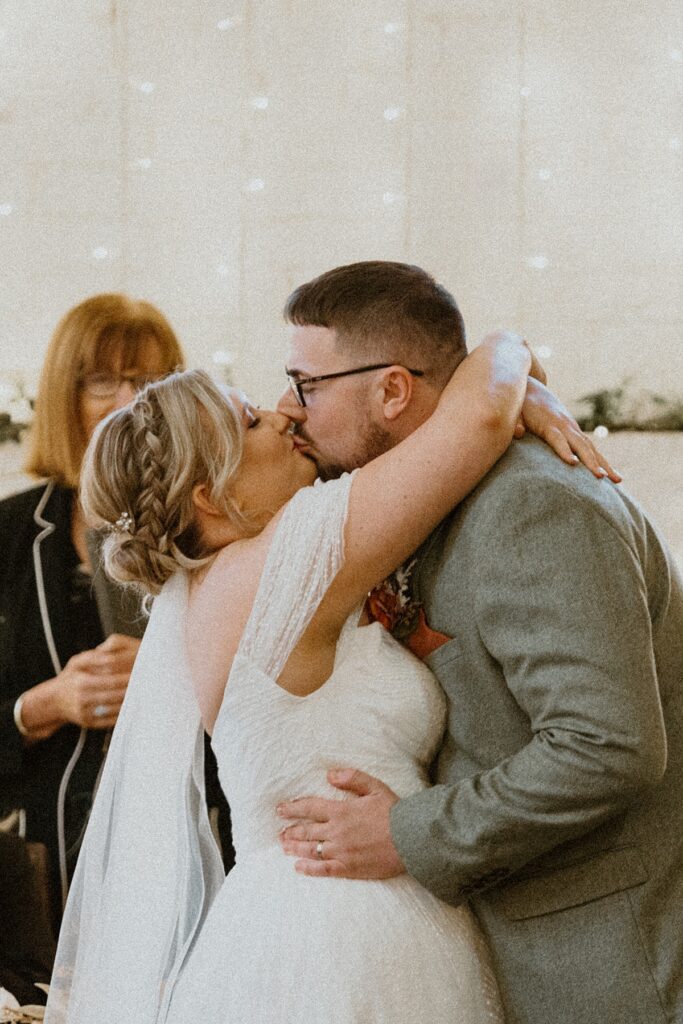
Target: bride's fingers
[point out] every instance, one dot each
(560, 445)
(572, 445)
(592, 457)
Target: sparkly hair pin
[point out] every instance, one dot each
(124, 524)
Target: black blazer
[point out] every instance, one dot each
(30, 775)
(26, 945)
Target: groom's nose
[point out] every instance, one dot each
(289, 406)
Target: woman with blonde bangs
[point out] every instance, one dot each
(261, 581)
(67, 652)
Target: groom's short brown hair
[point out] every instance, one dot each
(385, 312)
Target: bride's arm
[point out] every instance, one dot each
(397, 499)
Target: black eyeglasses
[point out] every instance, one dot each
(106, 385)
(297, 383)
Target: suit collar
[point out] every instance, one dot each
(52, 517)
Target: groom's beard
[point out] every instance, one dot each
(371, 440)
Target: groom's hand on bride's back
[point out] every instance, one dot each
(343, 838)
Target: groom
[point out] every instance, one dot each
(557, 809)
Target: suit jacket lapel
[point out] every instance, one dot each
(53, 524)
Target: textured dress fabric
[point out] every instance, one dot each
(267, 945)
(279, 946)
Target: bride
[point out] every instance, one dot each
(261, 581)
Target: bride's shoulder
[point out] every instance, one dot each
(232, 574)
(229, 583)
(218, 608)
(231, 580)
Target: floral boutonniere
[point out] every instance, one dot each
(394, 604)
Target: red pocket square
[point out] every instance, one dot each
(394, 605)
(424, 640)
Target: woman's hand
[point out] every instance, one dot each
(544, 415)
(87, 692)
(93, 683)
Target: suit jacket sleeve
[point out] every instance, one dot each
(561, 605)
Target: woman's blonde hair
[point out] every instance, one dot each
(141, 466)
(86, 340)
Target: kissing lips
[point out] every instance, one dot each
(303, 448)
(299, 443)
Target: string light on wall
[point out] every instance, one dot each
(255, 185)
(392, 113)
(675, 143)
(389, 198)
(100, 253)
(225, 24)
(260, 102)
(145, 87)
(143, 162)
(601, 432)
(223, 269)
(544, 352)
(391, 28)
(544, 174)
(525, 91)
(539, 262)
(676, 55)
(5, 209)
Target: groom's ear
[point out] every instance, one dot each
(396, 385)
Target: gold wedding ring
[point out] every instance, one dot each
(319, 849)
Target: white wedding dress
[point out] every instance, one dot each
(267, 945)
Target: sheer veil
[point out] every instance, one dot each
(149, 867)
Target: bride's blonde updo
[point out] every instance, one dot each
(141, 466)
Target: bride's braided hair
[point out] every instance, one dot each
(141, 466)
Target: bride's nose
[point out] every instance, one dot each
(281, 422)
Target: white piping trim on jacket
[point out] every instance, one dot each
(49, 528)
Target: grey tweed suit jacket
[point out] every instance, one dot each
(558, 804)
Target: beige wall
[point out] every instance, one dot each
(210, 155)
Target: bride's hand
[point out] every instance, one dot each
(536, 370)
(544, 415)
